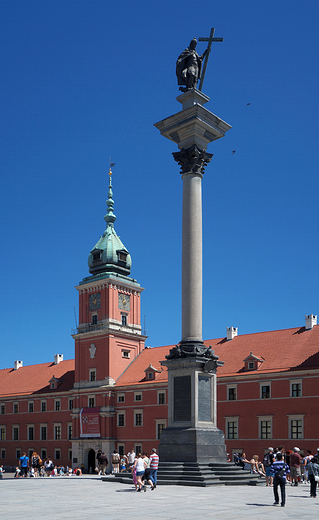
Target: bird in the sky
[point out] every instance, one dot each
(233, 152)
(248, 104)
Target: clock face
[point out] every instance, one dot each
(124, 301)
(95, 301)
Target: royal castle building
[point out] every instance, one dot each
(114, 393)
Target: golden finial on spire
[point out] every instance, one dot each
(111, 164)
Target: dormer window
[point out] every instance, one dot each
(253, 362)
(121, 255)
(53, 383)
(151, 372)
(96, 256)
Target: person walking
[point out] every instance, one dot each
(313, 472)
(279, 470)
(295, 461)
(267, 462)
(154, 460)
(139, 466)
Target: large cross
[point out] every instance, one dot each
(209, 46)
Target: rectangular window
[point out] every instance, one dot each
(232, 429)
(91, 402)
(295, 389)
(43, 433)
(57, 432)
(121, 449)
(3, 453)
(70, 431)
(232, 393)
(251, 365)
(265, 391)
(18, 453)
(43, 406)
(15, 433)
(121, 419)
(138, 418)
(120, 398)
(160, 427)
(57, 454)
(30, 433)
(126, 353)
(57, 405)
(31, 406)
(15, 408)
(69, 454)
(138, 448)
(265, 429)
(296, 429)
(161, 398)
(124, 320)
(93, 374)
(94, 319)
(70, 404)
(137, 397)
(3, 409)
(30, 451)
(43, 453)
(2, 433)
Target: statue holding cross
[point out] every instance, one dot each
(189, 64)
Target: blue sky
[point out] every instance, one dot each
(83, 81)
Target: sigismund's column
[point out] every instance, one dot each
(192, 434)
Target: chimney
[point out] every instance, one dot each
(311, 320)
(231, 332)
(18, 364)
(58, 358)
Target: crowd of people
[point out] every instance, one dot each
(142, 466)
(36, 467)
(281, 467)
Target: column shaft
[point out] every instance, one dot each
(192, 258)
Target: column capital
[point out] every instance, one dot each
(192, 160)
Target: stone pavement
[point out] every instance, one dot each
(88, 497)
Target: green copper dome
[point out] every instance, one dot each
(109, 255)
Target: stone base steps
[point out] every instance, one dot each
(194, 474)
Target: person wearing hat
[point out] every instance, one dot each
(295, 461)
(267, 462)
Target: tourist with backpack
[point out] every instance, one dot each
(267, 462)
(279, 470)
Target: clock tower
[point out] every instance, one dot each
(109, 334)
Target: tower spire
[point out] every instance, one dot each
(110, 218)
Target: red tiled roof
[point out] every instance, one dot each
(282, 350)
(35, 378)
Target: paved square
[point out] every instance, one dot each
(87, 496)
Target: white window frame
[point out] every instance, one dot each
(268, 418)
(136, 445)
(1, 408)
(41, 453)
(291, 418)
(232, 419)
(92, 371)
(55, 425)
(57, 450)
(68, 425)
(136, 412)
(3, 427)
(122, 412)
(13, 427)
(126, 353)
(229, 387)
(43, 425)
(157, 422)
(45, 403)
(28, 428)
(30, 403)
(294, 382)
(69, 403)
(158, 398)
(118, 398)
(265, 383)
(135, 397)
(55, 405)
(13, 407)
